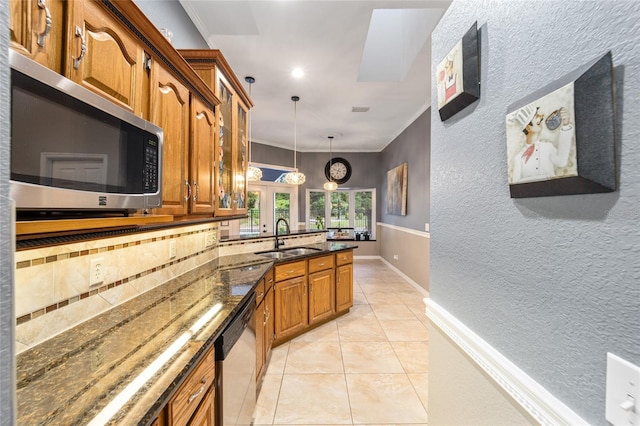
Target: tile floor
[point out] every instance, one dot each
(367, 367)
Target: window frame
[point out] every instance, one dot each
(352, 206)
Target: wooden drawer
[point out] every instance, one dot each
(192, 391)
(291, 270)
(320, 263)
(344, 257)
(268, 281)
(260, 292)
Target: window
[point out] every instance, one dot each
(353, 208)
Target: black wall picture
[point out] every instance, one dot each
(560, 139)
(458, 75)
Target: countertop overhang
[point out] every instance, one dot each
(123, 366)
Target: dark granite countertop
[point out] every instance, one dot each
(79, 376)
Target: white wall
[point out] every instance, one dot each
(551, 283)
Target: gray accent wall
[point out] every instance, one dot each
(7, 369)
(171, 15)
(552, 283)
(413, 147)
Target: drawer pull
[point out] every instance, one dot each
(322, 264)
(199, 391)
(260, 295)
(42, 4)
(83, 48)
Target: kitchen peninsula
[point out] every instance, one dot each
(126, 365)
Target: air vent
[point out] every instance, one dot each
(360, 109)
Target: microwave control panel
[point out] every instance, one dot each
(151, 166)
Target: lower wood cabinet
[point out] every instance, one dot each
(344, 287)
(195, 398)
(303, 300)
(292, 307)
(321, 296)
(264, 328)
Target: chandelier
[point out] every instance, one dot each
(330, 185)
(295, 177)
(253, 173)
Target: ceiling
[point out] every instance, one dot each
(359, 54)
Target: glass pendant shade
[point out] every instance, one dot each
(330, 186)
(253, 172)
(295, 177)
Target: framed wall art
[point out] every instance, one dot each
(560, 139)
(458, 75)
(397, 190)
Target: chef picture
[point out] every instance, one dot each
(449, 74)
(541, 139)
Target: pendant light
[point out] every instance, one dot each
(330, 185)
(295, 177)
(253, 173)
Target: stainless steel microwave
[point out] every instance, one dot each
(72, 150)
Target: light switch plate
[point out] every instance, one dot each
(623, 386)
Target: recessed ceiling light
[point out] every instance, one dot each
(297, 73)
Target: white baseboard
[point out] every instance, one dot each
(406, 278)
(534, 399)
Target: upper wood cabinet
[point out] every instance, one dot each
(170, 111)
(231, 136)
(37, 30)
(202, 163)
(103, 55)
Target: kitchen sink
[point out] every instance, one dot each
(300, 251)
(274, 254)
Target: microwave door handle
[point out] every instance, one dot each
(83, 47)
(186, 198)
(48, 21)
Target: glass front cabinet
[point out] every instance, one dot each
(232, 130)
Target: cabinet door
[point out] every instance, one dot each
(224, 150)
(202, 173)
(204, 415)
(103, 56)
(321, 296)
(170, 111)
(269, 331)
(260, 319)
(241, 162)
(291, 306)
(37, 29)
(344, 287)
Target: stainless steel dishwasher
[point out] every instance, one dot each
(235, 398)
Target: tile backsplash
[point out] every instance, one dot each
(52, 291)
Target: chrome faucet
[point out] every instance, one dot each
(279, 242)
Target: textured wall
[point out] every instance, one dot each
(412, 146)
(170, 14)
(6, 226)
(551, 283)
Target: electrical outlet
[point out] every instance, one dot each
(426, 227)
(172, 249)
(96, 271)
(209, 239)
(395, 257)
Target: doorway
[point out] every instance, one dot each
(268, 202)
